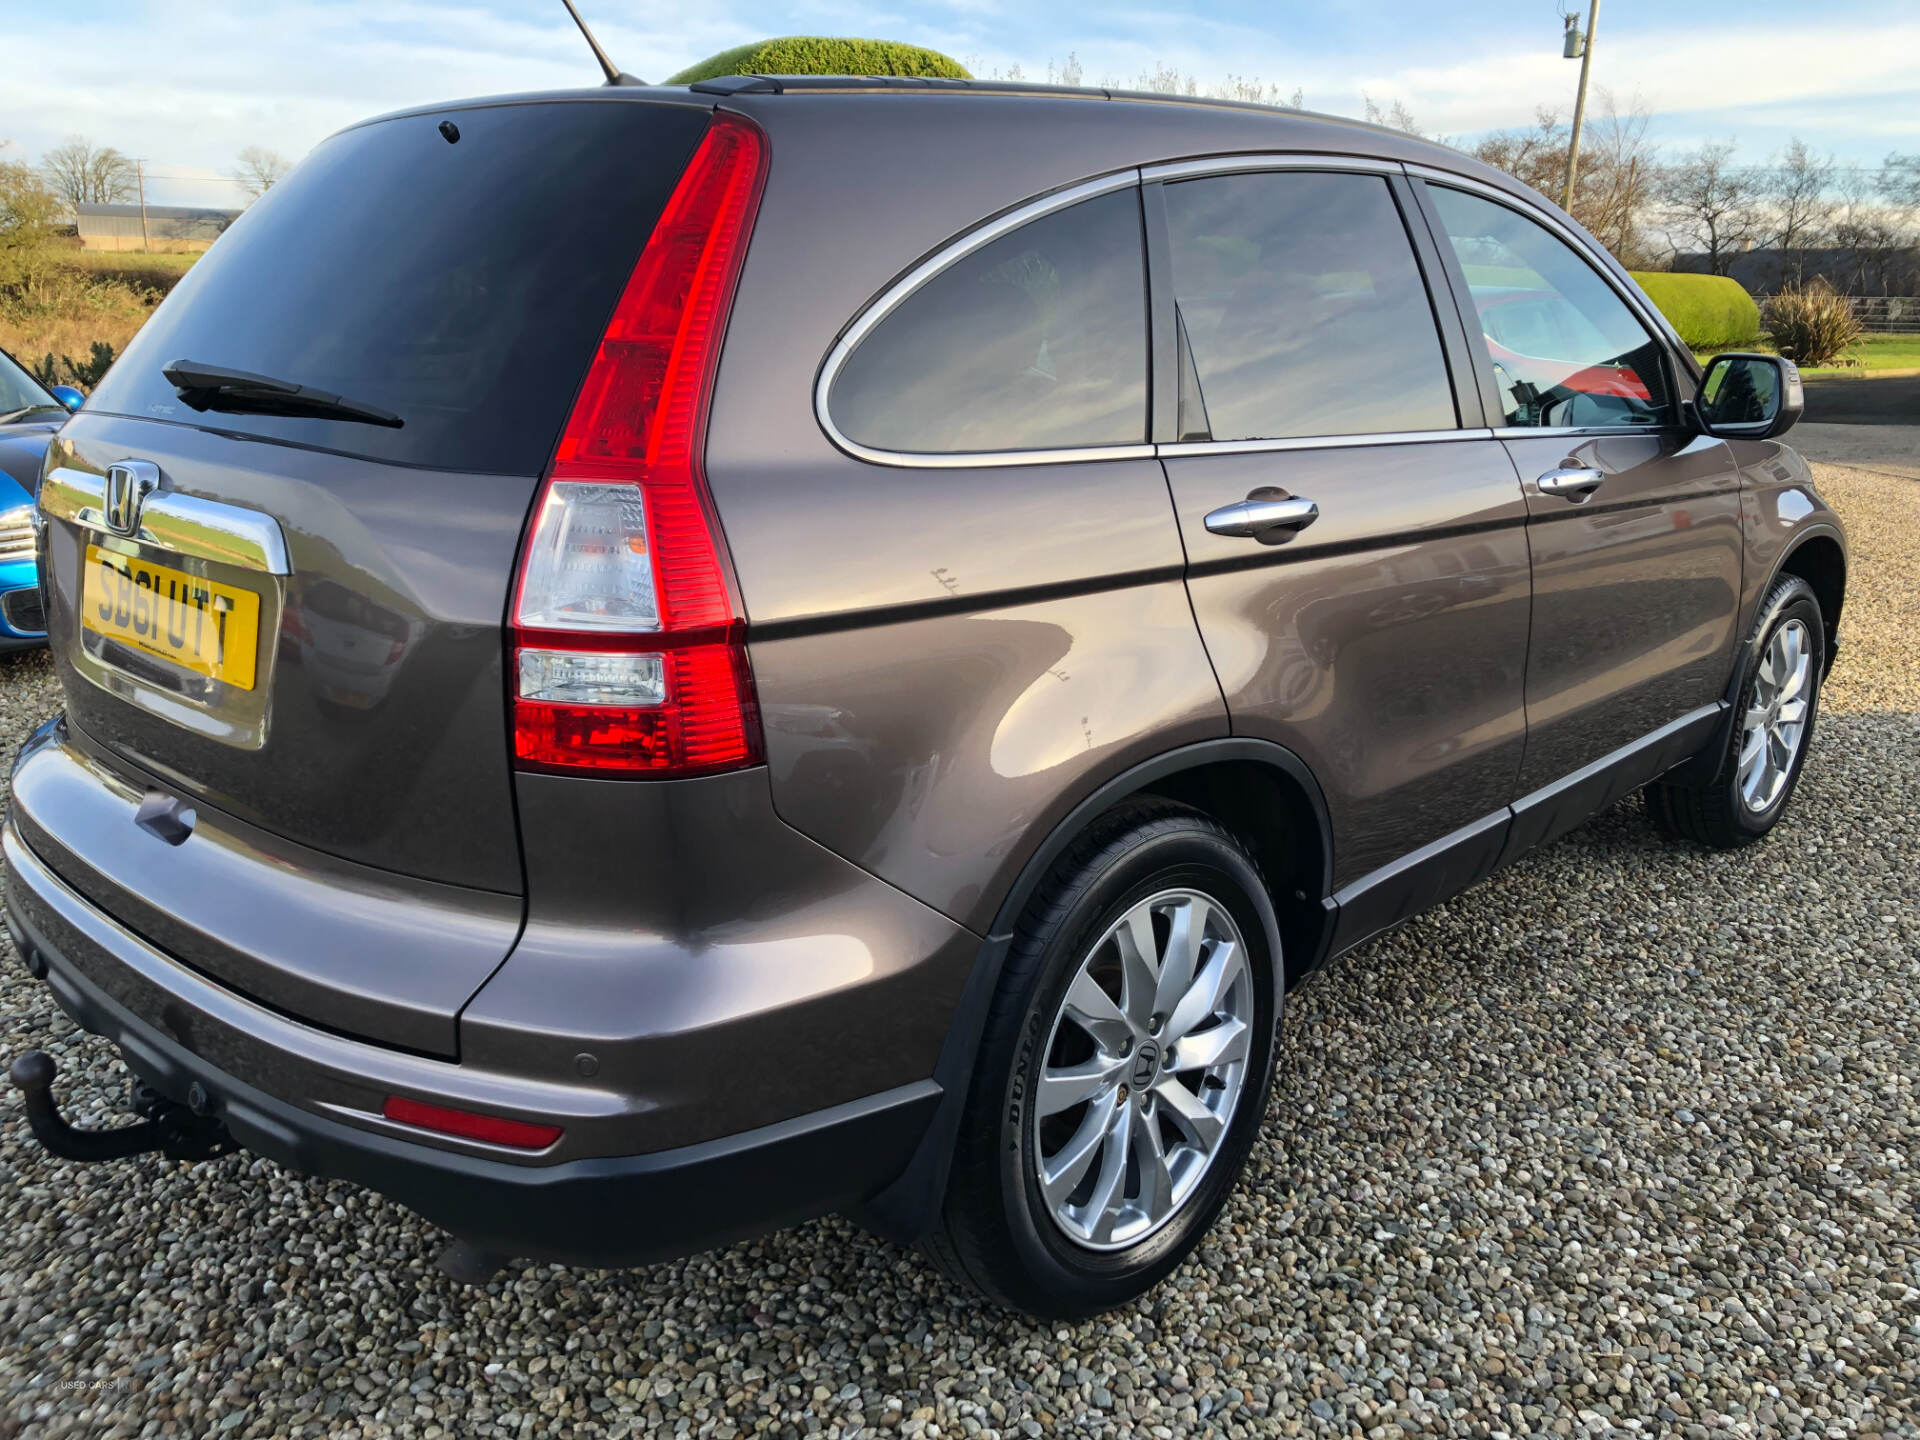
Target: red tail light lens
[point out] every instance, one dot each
(470, 1124)
(629, 652)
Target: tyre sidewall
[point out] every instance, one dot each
(1082, 1281)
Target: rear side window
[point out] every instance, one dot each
(1566, 350)
(1035, 341)
(1302, 310)
(463, 286)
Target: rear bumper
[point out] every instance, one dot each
(616, 1210)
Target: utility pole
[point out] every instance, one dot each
(140, 172)
(1585, 52)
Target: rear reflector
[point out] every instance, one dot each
(629, 642)
(470, 1124)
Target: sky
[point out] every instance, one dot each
(185, 84)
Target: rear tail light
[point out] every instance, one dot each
(629, 646)
(470, 1124)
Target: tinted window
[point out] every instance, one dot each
(1565, 348)
(463, 286)
(1303, 310)
(1033, 342)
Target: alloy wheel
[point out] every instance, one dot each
(1143, 1069)
(1775, 725)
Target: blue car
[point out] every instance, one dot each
(29, 414)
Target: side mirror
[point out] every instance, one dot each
(67, 396)
(1749, 396)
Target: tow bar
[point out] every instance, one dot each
(184, 1132)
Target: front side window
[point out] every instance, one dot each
(1035, 341)
(1302, 310)
(1565, 348)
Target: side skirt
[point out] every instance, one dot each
(1418, 881)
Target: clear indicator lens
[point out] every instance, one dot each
(588, 566)
(585, 677)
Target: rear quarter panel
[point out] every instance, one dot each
(947, 660)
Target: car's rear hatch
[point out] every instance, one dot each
(298, 637)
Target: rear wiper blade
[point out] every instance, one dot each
(215, 387)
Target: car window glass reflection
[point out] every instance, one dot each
(1302, 309)
(1566, 350)
(1035, 341)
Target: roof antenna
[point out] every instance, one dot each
(615, 75)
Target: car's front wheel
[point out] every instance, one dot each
(1124, 1069)
(1779, 701)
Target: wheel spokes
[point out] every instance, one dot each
(1139, 965)
(1219, 1044)
(1064, 1087)
(1185, 935)
(1199, 1124)
(1156, 1181)
(1203, 996)
(1103, 1205)
(1093, 1010)
(1062, 1172)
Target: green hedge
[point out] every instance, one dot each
(815, 55)
(1710, 311)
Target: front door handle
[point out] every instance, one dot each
(1257, 517)
(1574, 484)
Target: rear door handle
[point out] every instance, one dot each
(1256, 517)
(1574, 484)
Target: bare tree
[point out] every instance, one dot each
(1799, 188)
(1395, 116)
(260, 170)
(1900, 181)
(1870, 234)
(1712, 203)
(82, 173)
(1618, 175)
(1534, 155)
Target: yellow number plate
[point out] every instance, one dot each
(209, 628)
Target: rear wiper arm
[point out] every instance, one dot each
(215, 387)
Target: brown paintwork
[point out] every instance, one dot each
(1635, 591)
(1386, 643)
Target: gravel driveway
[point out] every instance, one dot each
(1624, 1139)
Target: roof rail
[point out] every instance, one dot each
(843, 84)
(780, 84)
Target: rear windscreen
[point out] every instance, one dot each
(461, 283)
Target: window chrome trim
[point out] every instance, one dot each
(902, 289)
(1245, 164)
(1249, 163)
(1649, 316)
(184, 524)
(1548, 432)
(1174, 450)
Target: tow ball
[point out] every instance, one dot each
(183, 1132)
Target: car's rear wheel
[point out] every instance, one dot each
(1778, 703)
(1123, 1072)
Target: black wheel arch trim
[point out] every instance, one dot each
(905, 1210)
